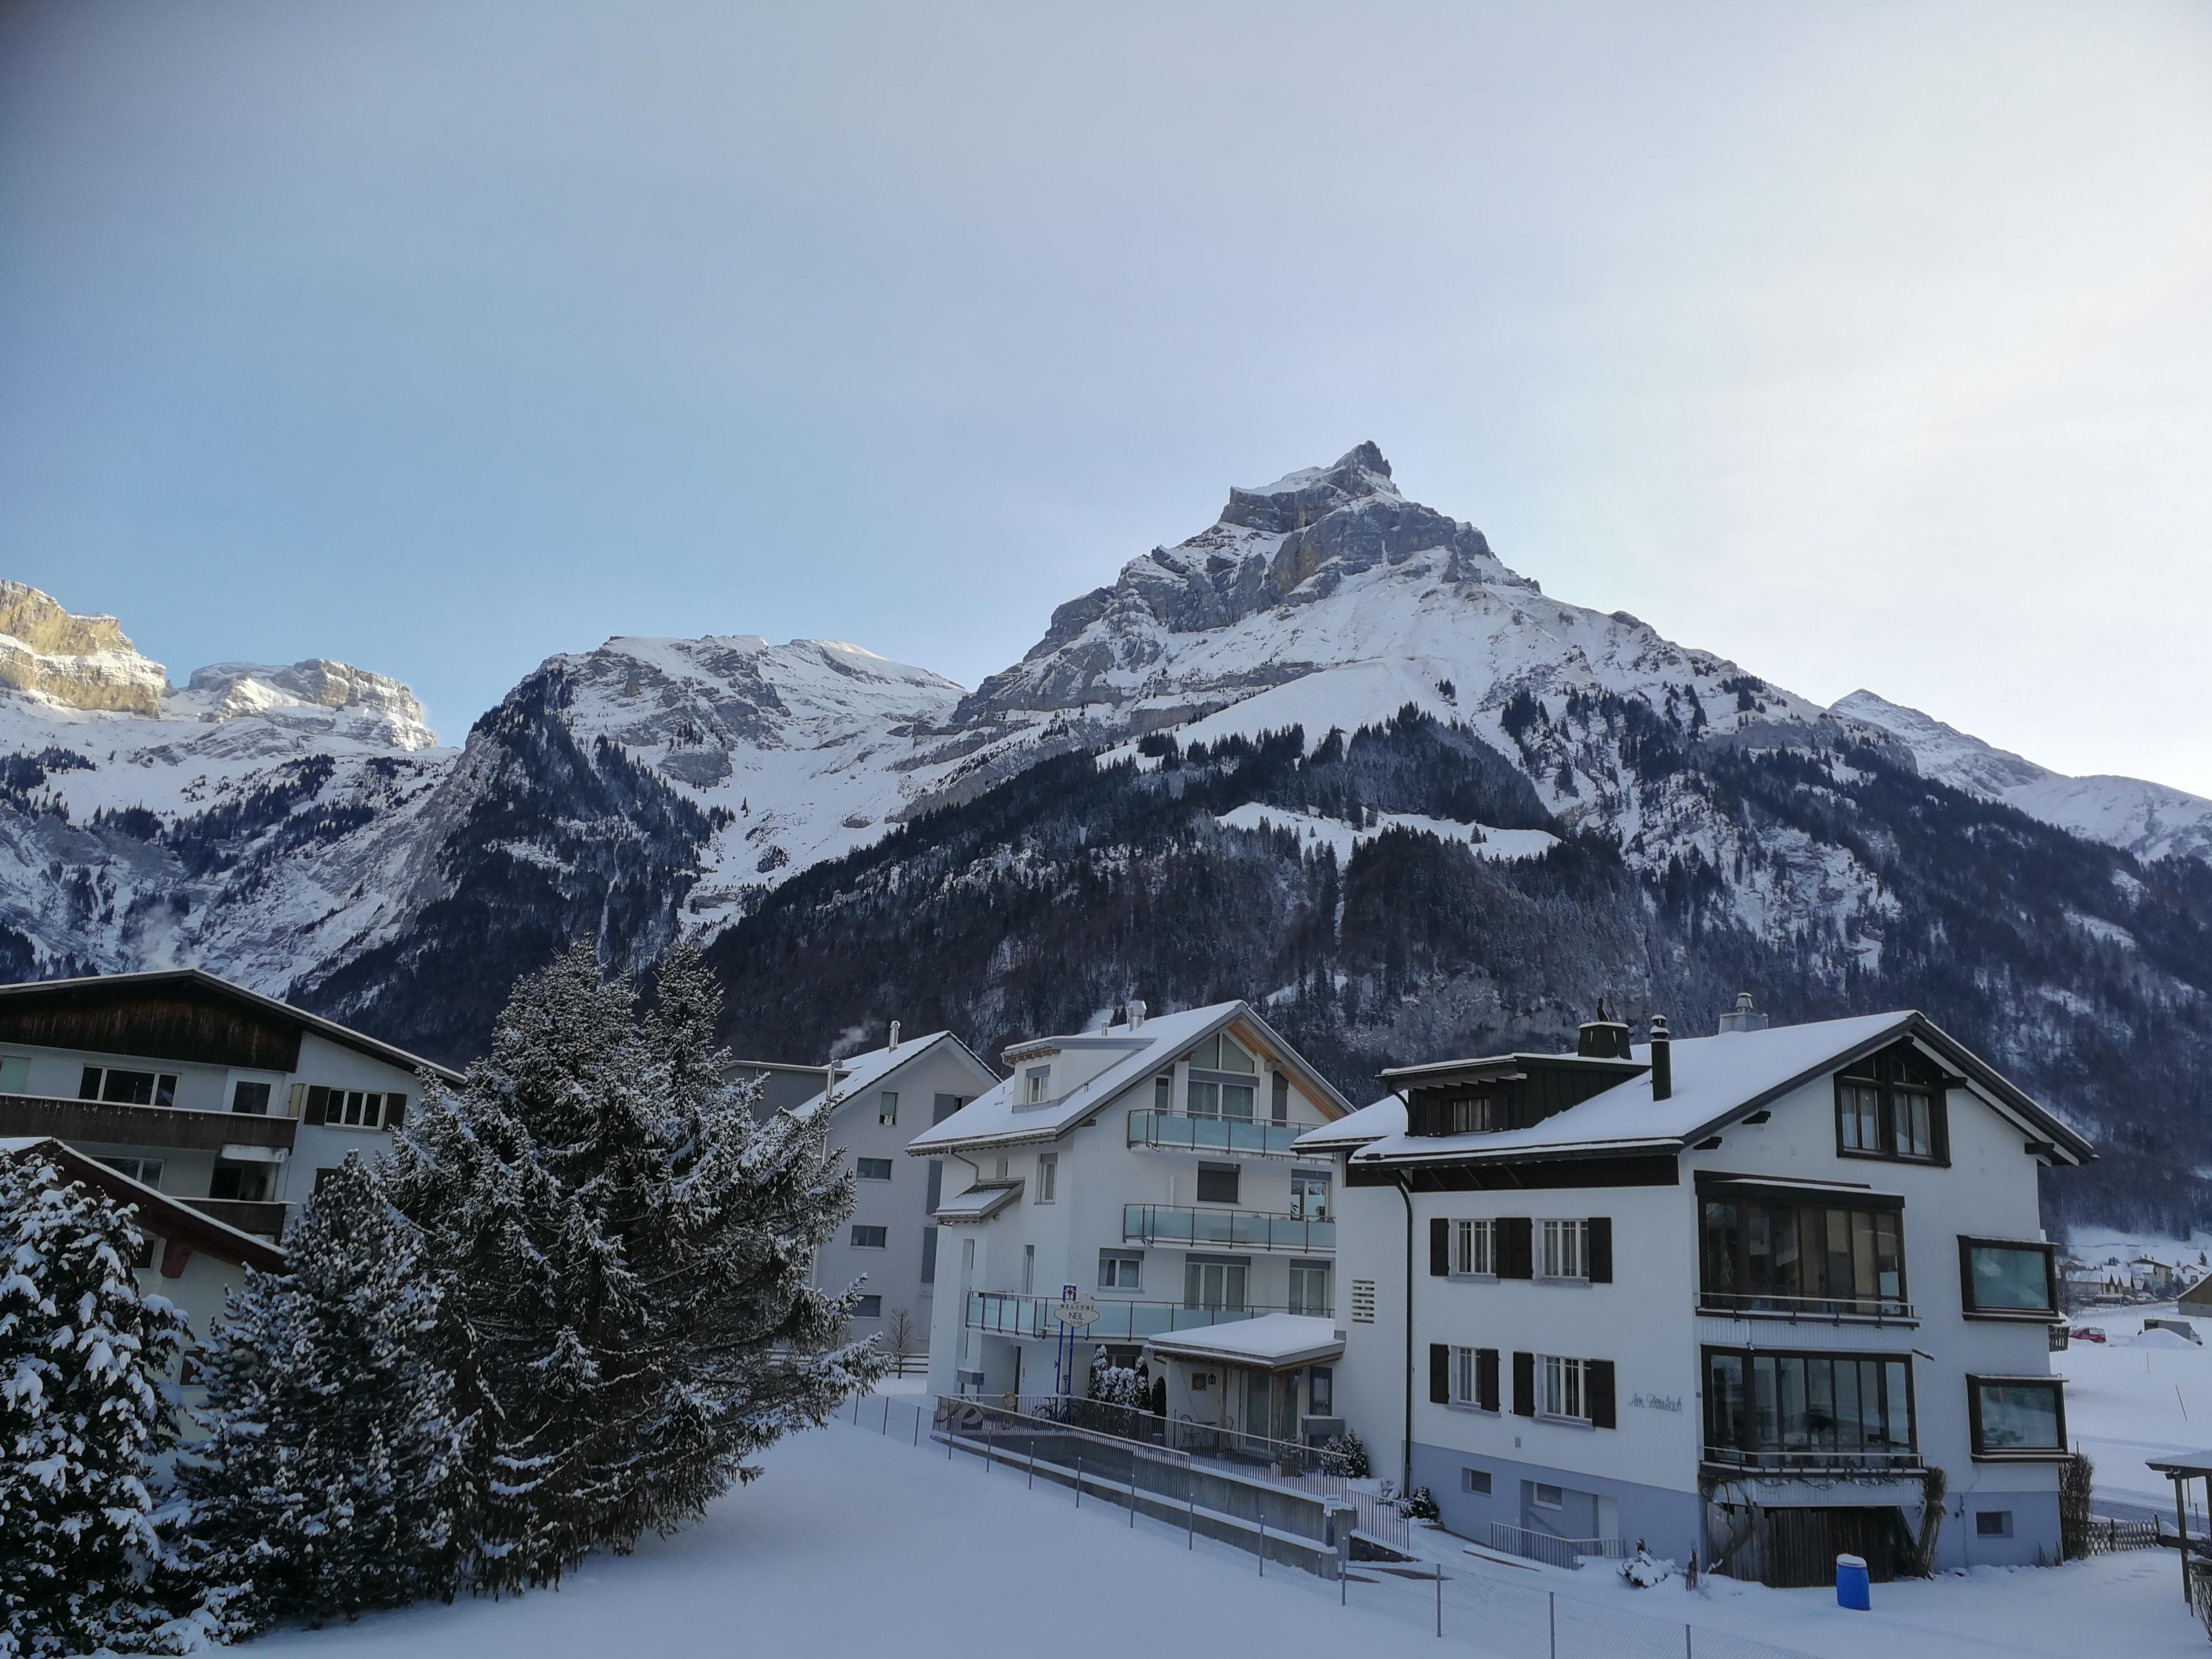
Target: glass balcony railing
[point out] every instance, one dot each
(1003, 1314)
(1237, 1136)
(1251, 1230)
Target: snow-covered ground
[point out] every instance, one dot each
(855, 1542)
(2137, 1396)
(1486, 840)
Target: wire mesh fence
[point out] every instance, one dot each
(1288, 1535)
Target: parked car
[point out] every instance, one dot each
(2088, 1333)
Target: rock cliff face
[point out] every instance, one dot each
(79, 662)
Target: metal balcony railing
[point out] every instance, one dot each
(1234, 1136)
(1248, 1230)
(1004, 1313)
(1813, 1460)
(1759, 1304)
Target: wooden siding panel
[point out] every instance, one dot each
(175, 1021)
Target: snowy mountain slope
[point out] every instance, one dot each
(2149, 819)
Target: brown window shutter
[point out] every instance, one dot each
(1486, 1378)
(1524, 1385)
(1597, 1389)
(395, 1107)
(1439, 1374)
(1516, 1257)
(1600, 1250)
(319, 1103)
(1439, 1247)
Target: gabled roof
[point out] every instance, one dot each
(162, 1214)
(93, 987)
(997, 1120)
(872, 1068)
(1717, 1081)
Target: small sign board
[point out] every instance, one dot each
(1076, 1310)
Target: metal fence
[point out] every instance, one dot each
(1551, 1548)
(1148, 1489)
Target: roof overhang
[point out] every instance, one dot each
(979, 1203)
(1221, 1350)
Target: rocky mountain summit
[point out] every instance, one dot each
(1330, 751)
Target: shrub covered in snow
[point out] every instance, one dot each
(1418, 1504)
(84, 1411)
(1643, 1569)
(1117, 1385)
(1346, 1454)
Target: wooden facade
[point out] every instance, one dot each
(179, 1018)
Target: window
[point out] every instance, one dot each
(887, 1106)
(1310, 1194)
(2000, 1279)
(1463, 1387)
(1214, 1281)
(249, 1097)
(1029, 1270)
(1220, 1053)
(147, 1170)
(1309, 1288)
(1782, 1255)
(14, 1073)
(1047, 1177)
(1549, 1496)
(1467, 1114)
(1475, 1480)
(1475, 1246)
(1001, 1167)
(943, 1106)
(1321, 1391)
(1564, 1390)
(2016, 1416)
(1033, 1084)
(868, 1307)
(325, 1176)
(1212, 1097)
(1772, 1411)
(241, 1183)
(1121, 1270)
(873, 1169)
(1565, 1253)
(1993, 1524)
(1164, 1094)
(1891, 1105)
(1279, 1098)
(929, 1255)
(147, 1248)
(113, 1083)
(353, 1109)
(1217, 1183)
(870, 1238)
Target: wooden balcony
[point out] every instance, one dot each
(109, 1123)
(263, 1220)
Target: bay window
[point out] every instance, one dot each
(1771, 1250)
(2016, 1417)
(1782, 1410)
(2007, 1279)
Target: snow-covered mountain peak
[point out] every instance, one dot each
(1299, 498)
(316, 693)
(2150, 820)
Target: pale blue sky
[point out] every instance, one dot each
(1868, 344)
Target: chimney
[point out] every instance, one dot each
(1741, 1018)
(1602, 1038)
(893, 1045)
(1662, 1060)
(1136, 1014)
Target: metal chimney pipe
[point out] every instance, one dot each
(894, 1041)
(1662, 1059)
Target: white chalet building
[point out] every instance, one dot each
(1150, 1166)
(1734, 1294)
(876, 1100)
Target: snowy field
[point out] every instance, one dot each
(2137, 1396)
(856, 1544)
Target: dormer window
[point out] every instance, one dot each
(1034, 1082)
(1891, 1105)
(1476, 1112)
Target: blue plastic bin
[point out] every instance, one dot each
(1851, 1584)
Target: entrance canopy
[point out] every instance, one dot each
(1272, 1342)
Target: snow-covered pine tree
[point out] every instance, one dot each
(85, 1409)
(330, 1477)
(626, 1256)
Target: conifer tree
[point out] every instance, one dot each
(330, 1476)
(85, 1408)
(626, 1257)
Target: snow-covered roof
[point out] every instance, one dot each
(1276, 1340)
(1716, 1080)
(979, 1203)
(168, 1217)
(857, 1073)
(1386, 1116)
(997, 1118)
